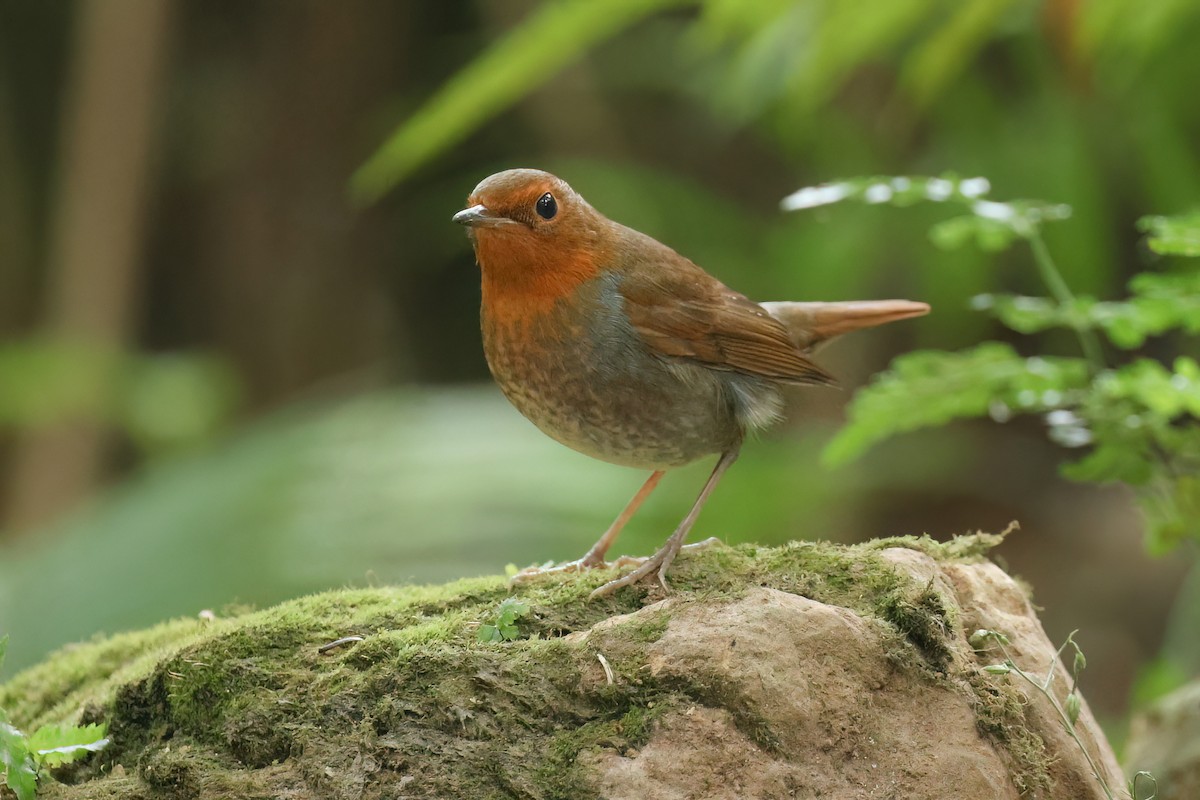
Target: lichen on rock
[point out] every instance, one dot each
(806, 670)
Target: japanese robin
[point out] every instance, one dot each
(617, 346)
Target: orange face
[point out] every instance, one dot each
(527, 197)
(534, 237)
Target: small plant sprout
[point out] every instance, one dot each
(1137, 422)
(1143, 786)
(1068, 709)
(24, 759)
(504, 629)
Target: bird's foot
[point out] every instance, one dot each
(660, 561)
(589, 561)
(593, 561)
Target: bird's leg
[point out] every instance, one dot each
(661, 561)
(595, 556)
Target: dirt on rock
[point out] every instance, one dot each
(807, 671)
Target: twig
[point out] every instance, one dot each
(345, 640)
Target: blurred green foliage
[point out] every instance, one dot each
(1159, 303)
(775, 64)
(160, 402)
(929, 388)
(1141, 420)
(554, 35)
(1175, 236)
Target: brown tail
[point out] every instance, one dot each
(810, 324)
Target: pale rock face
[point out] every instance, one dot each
(990, 599)
(807, 703)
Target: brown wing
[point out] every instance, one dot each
(683, 312)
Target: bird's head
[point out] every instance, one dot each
(531, 228)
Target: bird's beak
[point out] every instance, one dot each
(477, 216)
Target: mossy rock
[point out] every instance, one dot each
(806, 670)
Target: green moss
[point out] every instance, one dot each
(647, 628)
(925, 619)
(558, 775)
(969, 548)
(82, 674)
(247, 706)
(1000, 715)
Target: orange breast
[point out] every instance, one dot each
(522, 279)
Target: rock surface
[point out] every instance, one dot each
(806, 671)
(832, 715)
(1165, 741)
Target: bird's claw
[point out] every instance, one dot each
(660, 561)
(645, 565)
(529, 573)
(572, 567)
(648, 565)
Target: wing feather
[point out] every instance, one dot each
(680, 311)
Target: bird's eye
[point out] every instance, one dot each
(546, 207)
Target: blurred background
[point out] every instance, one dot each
(239, 342)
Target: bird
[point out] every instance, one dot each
(619, 347)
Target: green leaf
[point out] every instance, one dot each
(1072, 707)
(990, 224)
(1172, 511)
(1033, 314)
(1145, 421)
(987, 234)
(847, 36)
(898, 190)
(54, 745)
(1143, 786)
(1153, 388)
(1111, 460)
(929, 388)
(943, 57)
(3, 649)
(19, 772)
(510, 611)
(1173, 236)
(553, 36)
(505, 627)
(1160, 303)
